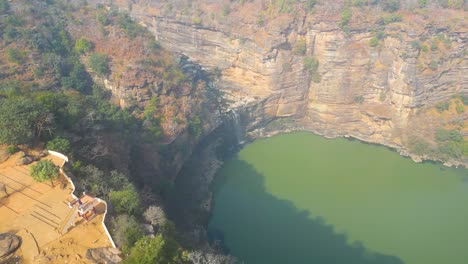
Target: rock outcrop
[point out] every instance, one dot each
(24, 160)
(104, 255)
(373, 76)
(9, 243)
(4, 154)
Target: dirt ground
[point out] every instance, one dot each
(38, 211)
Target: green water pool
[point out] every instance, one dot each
(301, 198)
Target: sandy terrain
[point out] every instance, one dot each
(38, 212)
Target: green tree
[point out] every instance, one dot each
(99, 63)
(45, 170)
(18, 120)
(126, 231)
(82, 46)
(156, 250)
(59, 144)
(152, 122)
(126, 201)
(77, 78)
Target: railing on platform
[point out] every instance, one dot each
(65, 158)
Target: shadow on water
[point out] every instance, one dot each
(260, 228)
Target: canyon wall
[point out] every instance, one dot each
(376, 80)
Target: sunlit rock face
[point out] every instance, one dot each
(369, 90)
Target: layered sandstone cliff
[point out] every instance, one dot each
(377, 79)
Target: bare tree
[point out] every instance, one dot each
(155, 215)
(44, 122)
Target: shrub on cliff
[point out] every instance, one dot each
(374, 41)
(19, 120)
(418, 146)
(450, 144)
(316, 77)
(161, 249)
(149, 251)
(82, 46)
(448, 135)
(130, 27)
(464, 99)
(126, 231)
(59, 144)
(460, 108)
(443, 106)
(311, 64)
(99, 63)
(15, 56)
(126, 201)
(300, 48)
(359, 99)
(77, 78)
(346, 15)
(195, 127)
(45, 170)
(12, 149)
(465, 148)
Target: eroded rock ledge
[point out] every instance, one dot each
(376, 93)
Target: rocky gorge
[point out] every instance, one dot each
(369, 76)
(163, 92)
(377, 76)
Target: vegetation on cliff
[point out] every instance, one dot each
(58, 57)
(365, 69)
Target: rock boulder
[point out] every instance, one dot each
(4, 155)
(104, 255)
(24, 160)
(9, 243)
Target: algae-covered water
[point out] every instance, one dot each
(301, 198)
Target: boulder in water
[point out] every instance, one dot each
(9, 243)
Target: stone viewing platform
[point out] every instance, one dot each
(45, 217)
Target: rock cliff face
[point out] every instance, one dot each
(376, 77)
